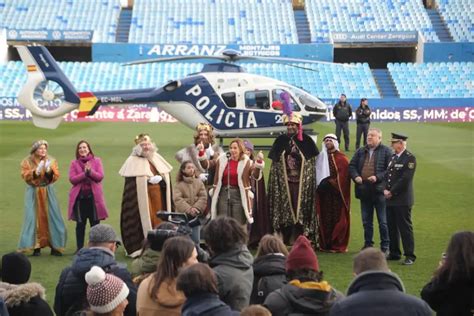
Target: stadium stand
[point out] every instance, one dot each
(328, 81)
(367, 16)
(433, 80)
(459, 18)
(213, 22)
(101, 16)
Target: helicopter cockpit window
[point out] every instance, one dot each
(229, 99)
(258, 99)
(276, 94)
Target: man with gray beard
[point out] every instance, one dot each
(147, 190)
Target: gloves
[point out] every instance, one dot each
(203, 176)
(39, 167)
(209, 152)
(155, 179)
(47, 165)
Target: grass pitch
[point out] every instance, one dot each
(444, 183)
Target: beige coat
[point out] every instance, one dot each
(188, 193)
(167, 302)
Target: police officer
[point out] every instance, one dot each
(363, 121)
(342, 112)
(399, 196)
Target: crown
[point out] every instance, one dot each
(204, 126)
(140, 138)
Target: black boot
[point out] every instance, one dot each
(56, 253)
(37, 252)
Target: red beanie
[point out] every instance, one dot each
(302, 256)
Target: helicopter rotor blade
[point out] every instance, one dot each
(168, 59)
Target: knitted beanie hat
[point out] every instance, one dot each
(104, 291)
(16, 268)
(302, 256)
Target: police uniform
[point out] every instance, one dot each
(399, 181)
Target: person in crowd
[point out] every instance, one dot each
(157, 294)
(199, 284)
(400, 198)
(230, 260)
(363, 121)
(203, 142)
(261, 225)
(106, 293)
(147, 190)
(293, 167)
(43, 225)
(190, 196)
(268, 268)
(342, 112)
(451, 290)
(20, 296)
(255, 310)
(231, 194)
(367, 169)
(306, 293)
(71, 288)
(377, 291)
(86, 199)
(146, 263)
(333, 196)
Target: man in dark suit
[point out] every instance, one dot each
(399, 196)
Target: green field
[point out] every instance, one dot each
(444, 183)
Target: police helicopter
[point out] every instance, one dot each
(234, 102)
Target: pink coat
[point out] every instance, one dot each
(77, 175)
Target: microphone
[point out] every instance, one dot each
(227, 154)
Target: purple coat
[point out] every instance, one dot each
(77, 176)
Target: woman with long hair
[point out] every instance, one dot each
(231, 194)
(43, 225)
(268, 268)
(451, 290)
(157, 294)
(86, 198)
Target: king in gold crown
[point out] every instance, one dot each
(142, 138)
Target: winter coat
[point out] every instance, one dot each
(167, 302)
(71, 289)
(234, 276)
(24, 299)
(244, 169)
(363, 114)
(146, 263)
(77, 176)
(342, 112)
(188, 193)
(450, 299)
(379, 293)
(269, 275)
(206, 304)
(294, 300)
(382, 156)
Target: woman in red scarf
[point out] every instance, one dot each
(86, 199)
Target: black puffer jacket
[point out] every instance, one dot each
(206, 304)
(449, 299)
(382, 155)
(293, 300)
(269, 275)
(24, 299)
(71, 289)
(379, 293)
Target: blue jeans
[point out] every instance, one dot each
(367, 208)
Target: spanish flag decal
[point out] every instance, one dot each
(88, 101)
(31, 68)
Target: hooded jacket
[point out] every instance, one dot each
(234, 276)
(379, 293)
(71, 289)
(269, 275)
(294, 300)
(24, 299)
(206, 304)
(168, 301)
(146, 263)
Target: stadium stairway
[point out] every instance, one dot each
(123, 25)
(302, 26)
(439, 26)
(385, 83)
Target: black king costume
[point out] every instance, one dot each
(292, 184)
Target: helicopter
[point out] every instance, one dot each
(223, 94)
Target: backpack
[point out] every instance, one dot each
(268, 284)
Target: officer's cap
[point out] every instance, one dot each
(398, 137)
